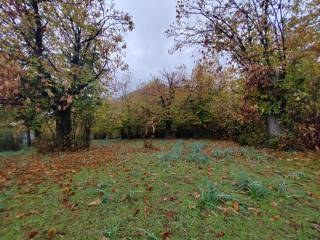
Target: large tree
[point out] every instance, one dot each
(66, 48)
(166, 86)
(251, 33)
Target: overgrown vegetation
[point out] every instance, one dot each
(254, 188)
(9, 140)
(59, 83)
(267, 96)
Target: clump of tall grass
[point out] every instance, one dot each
(283, 187)
(197, 147)
(298, 175)
(254, 188)
(226, 152)
(249, 153)
(212, 196)
(175, 153)
(195, 155)
(198, 157)
(252, 154)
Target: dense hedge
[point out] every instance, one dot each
(9, 140)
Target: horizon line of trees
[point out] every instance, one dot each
(268, 92)
(58, 58)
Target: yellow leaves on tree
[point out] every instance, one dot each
(9, 77)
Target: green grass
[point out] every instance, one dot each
(147, 195)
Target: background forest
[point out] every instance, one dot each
(256, 82)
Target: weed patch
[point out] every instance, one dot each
(195, 154)
(212, 196)
(198, 157)
(254, 188)
(249, 153)
(175, 153)
(197, 147)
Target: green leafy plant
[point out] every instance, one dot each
(175, 154)
(283, 188)
(212, 196)
(226, 152)
(252, 154)
(198, 157)
(254, 188)
(197, 147)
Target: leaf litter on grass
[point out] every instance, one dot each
(169, 196)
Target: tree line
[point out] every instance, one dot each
(257, 81)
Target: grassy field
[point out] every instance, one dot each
(181, 189)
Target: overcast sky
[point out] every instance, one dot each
(148, 46)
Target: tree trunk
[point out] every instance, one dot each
(87, 135)
(29, 136)
(129, 133)
(37, 133)
(122, 133)
(274, 127)
(168, 125)
(63, 128)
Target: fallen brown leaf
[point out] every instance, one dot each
(146, 212)
(220, 234)
(205, 213)
(191, 207)
(147, 202)
(52, 233)
(171, 215)
(256, 211)
(166, 235)
(28, 213)
(95, 203)
(274, 204)
(149, 188)
(197, 195)
(104, 238)
(275, 218)
(235, 206)
(316, 226)
(32, 234)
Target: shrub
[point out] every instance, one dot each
(100, 136)
(9, 141)
(252, 135)
(148, 143)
